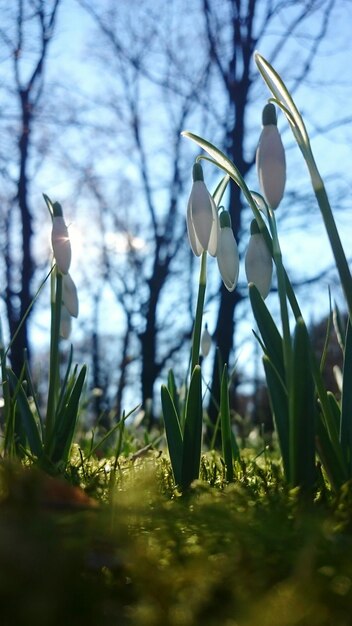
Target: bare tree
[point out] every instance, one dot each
(26, 32)
(197, 60)
(151, 220)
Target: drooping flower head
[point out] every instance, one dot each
(202, 216)
(258, 261)
(270, 159)
(227, 253)
(60, 240)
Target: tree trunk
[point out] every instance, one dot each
(16, 313)
(225, 325)
(150, 366)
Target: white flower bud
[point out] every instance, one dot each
(202, 216)
(270, 159)
(227, 253)
(69, 295)
(65, 323)
(61, 244)
(205, 342)
(258, 262)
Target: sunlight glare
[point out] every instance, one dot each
(121, 243)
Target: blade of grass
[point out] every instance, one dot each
(119, 425)
(340, 328)
(279, 406)
(226, 426)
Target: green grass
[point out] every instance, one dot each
(246, 554)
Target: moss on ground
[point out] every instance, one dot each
(136, 552)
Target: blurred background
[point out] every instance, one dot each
(94, 95)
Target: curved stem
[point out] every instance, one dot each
(332, 232)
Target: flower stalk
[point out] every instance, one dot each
(56, 299)
(199, 311)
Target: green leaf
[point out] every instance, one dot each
(173, 433)
(220, 189)
(335, 409)
(65, 422)
(346, 401)
(224, 163)
(331, 461)
(192, 436)
(279, 406)
(326, 340)
(283, 97)
(67, 383)
(32, 392)
(268, 330)
(340, 327)
(27, 418)
(302, 412)
(171, 385)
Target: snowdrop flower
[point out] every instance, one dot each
(227, 253)
(69, 295)
(270, 159)
(205, 342)
(61, 244)
(65, 323)
(258, 261)
(202, 216)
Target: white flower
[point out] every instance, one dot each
(227, 253)
(65, 323)
(205, 342)
(69, 295)
(258, 262)
(270, 159)
(61, 244)
(202, 216)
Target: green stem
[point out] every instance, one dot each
(199, 311)
(332, 232)
(282, 284)
(286, 333)
(54, 355)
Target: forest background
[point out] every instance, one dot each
(94, 96)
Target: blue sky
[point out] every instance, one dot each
(324, 98)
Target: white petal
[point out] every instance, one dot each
(215, 230)
(61, 244)
(202, 219)
(69, 295)
(228, 258)
(194, 243)
(65, 323)
(258, 264)
(205, 342)
(271, 165)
